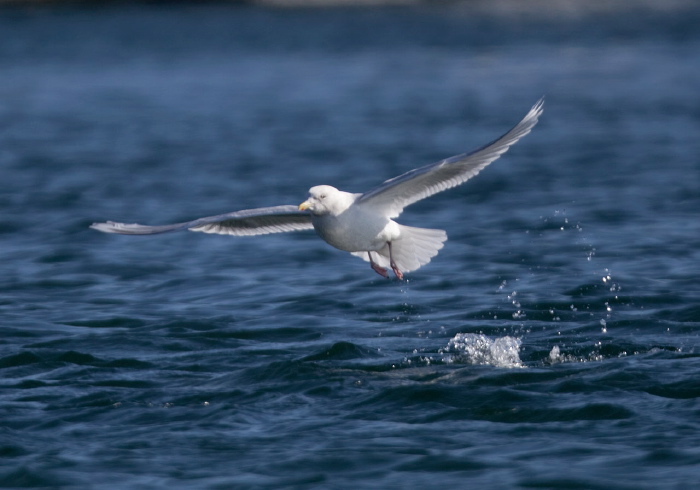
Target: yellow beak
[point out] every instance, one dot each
(304, 206)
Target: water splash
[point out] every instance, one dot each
(557, 357)
(614, 288)
(481, 350)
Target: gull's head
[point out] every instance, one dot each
(325, 199)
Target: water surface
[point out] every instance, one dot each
(553, 343)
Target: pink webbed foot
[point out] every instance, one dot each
(376, 268)
(380, 270)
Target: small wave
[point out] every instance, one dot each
(341, 351)
(479, 349)
(601, 352)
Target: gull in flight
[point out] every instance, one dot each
(361, 224)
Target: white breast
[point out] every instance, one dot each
(355, 230)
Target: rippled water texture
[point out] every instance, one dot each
(553, 343)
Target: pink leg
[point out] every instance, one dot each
(399, 274)
(379, 270)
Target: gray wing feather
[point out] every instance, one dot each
(260, 221)
(395, 194)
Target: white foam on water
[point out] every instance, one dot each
(481, 350)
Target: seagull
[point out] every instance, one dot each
(361, 224)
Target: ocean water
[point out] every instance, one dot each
(553, 342)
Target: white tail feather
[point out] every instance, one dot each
(414, 248)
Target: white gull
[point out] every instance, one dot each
(361, 224)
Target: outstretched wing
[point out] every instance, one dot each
(395, 194)
(260, 221)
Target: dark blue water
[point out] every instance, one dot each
(553, 343)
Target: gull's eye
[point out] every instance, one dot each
(322, 196)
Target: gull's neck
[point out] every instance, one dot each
(341, 202)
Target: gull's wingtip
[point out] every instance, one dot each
(538, 107)
(532, 117)
(121, 228)
(107, 227)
